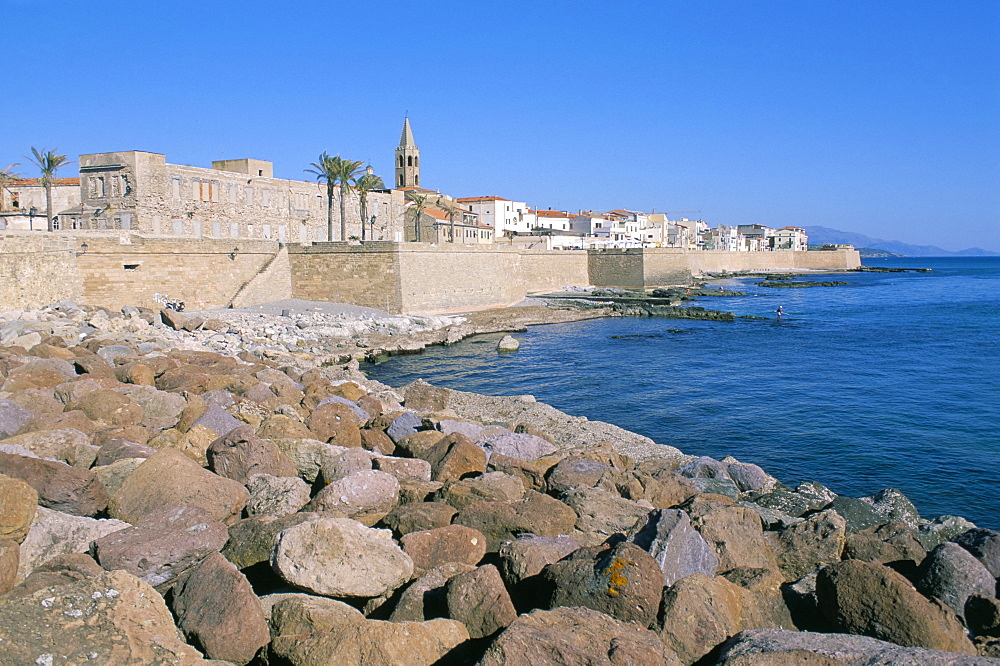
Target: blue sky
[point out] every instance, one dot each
(881, 118)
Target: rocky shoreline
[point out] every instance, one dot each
(263, 502)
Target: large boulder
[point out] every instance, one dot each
(985, 545)
(873, 600)
(890, 543)
(764, 603)
(453, 457)
(452, 543)
(168, 478)
(239, 454)
(624, 582)
(218, 611)
(340, 557)
(251, 541)
(525, 557)
(373, 642)
(518, 445)
(53, 533)
(603, 513)
(59, 486)
(306, 614)
(479, 600)
(366, 496)
(426, 597)
(110, 407)
(576, 636)
(163, 545)
(276, 495)
(111, 618)
(418, 516)
(10, 558)
(678, 548)
(17, 509)
(953, 574)
(699, 613)
(66, 444)
(807, 545)
(13, 417)
(536, 514)
(735, 532)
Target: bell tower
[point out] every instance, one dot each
(407, 159)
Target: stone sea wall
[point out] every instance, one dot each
(115, 269)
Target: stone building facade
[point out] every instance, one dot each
(140, 191)
(22, 202)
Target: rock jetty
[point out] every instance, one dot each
(163, 502)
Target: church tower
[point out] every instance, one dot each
(407, 159)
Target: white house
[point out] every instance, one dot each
(502, 214)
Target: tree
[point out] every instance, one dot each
(347, 173)
(49, 162)
(7, 176)
(366, 184)
(452, 209)
(326, 169)
(419, 203)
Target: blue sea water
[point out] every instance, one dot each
(890, 381)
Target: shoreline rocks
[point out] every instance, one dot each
(278, 507)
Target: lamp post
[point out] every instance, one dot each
(32, 211)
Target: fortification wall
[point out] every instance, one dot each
(616, 268)
(202, 273)
(36, 269)
(367, 275)
(273, 282)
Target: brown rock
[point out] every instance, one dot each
(418, 516)
(453, 457)
(109, 407)
(461, 494)
(624, 581)
(280, 426)
(423, 397)
(60, 570)
(806, 546)
(366, 496)
(60, 421)
(536, 514)
(59, 486)
(734, 531)
(120, 448)
(576, 636)
(413, 469)
(240, 454)
(892, 542)
(17, 508)
(452, 543)
(479, 600)
(112, 618)
(531, 475)
(373, 642)
(306, 614)
(377, 441)
(335, 423)
(218, 611)
(68, 445)
(873, 600)
(169, 477)
(163, 545)
(139, 374)
(666, 490)
(417, 444)
(763, 602)
(425, 598)
(9, 561)
(251, 540)
(525, 557)
(700, 613)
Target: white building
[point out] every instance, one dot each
(791, 238)
(504, 215)
(22, 202)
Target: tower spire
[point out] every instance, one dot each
(407, 158)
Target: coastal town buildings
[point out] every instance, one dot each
(138, 191)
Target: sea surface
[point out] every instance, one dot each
(890, 381)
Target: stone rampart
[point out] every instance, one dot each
(37, 268)
(367, 275)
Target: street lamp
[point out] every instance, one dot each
(31, 218)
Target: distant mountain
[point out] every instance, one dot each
(820, 235)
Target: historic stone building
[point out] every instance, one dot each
(140, 191)
(407, 159)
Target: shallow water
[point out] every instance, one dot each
(890, 381)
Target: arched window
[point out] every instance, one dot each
(400, 183)
(400, 160)
(416, 180)
(416, 160)
(409, 160)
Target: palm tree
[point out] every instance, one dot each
(7, 176)
(366, 184)
(325, 169)
(452, 209)
(49, 163)
(347, 174)
(419, 203)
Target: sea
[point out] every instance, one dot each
(889, 381)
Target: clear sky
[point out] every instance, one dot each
(876, 117)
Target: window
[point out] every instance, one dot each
(416, 160)
(400, 178)
(416, 180)
(131, 267)
(409, 160)
(400, 160)
(250, 196)
(175, 187)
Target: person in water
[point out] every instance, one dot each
(780, 312)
